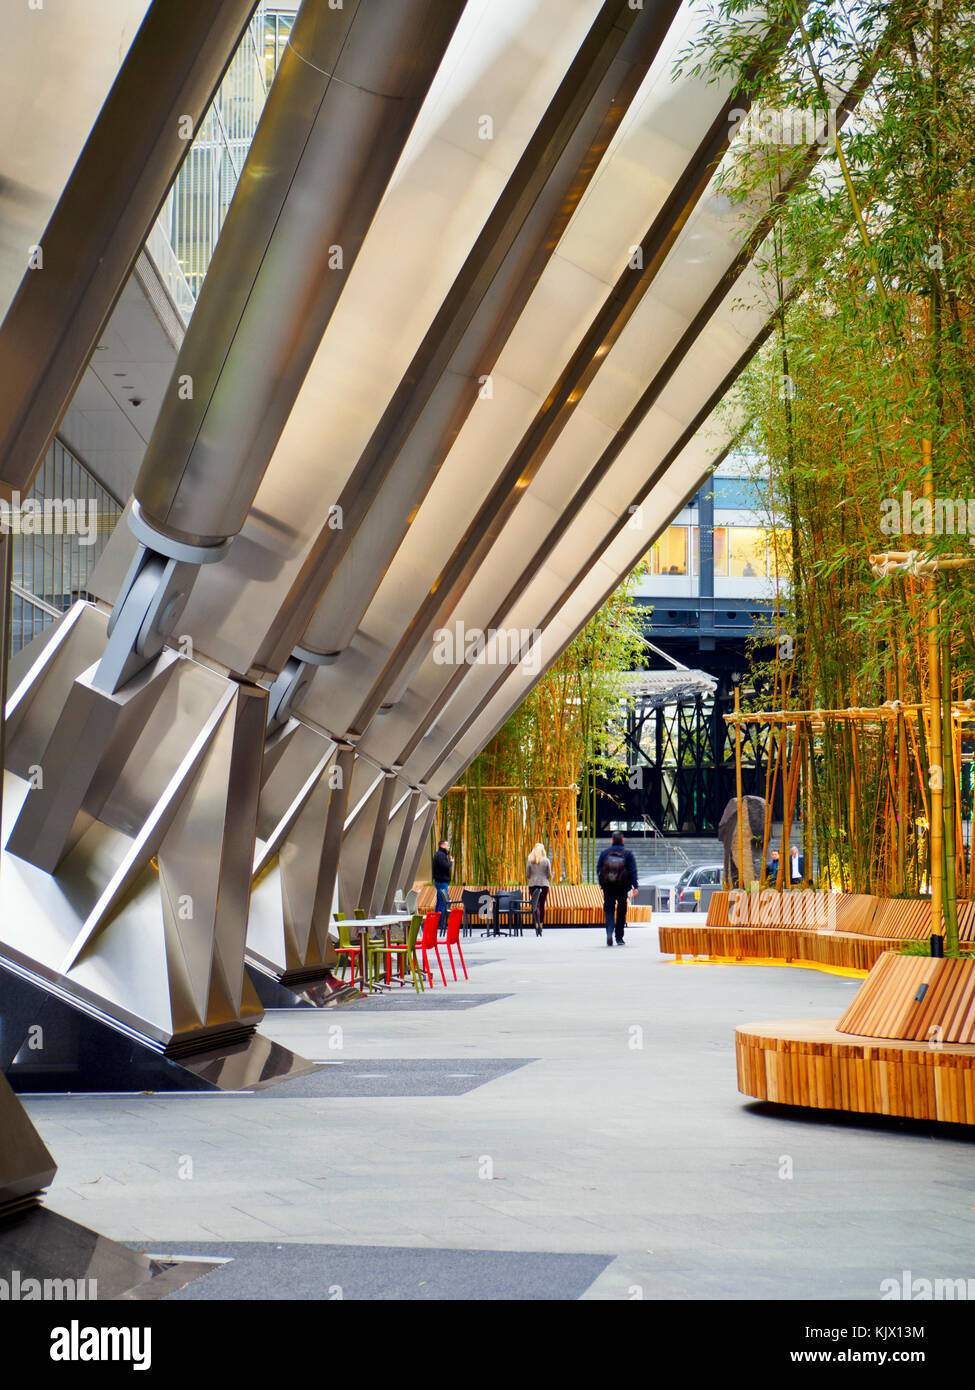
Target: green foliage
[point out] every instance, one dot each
(923, 948)
(548, 753)
(873, 351)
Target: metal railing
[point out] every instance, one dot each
(673, 853)
(59, 531)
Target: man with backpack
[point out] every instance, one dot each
(616, 872)
(443, 867)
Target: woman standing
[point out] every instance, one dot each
(539, 881)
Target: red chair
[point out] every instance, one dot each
(428, 941)
(454, 923)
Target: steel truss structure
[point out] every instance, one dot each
(474, 304)
(682, 766)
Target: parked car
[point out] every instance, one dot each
(665, 885)
(690, 893)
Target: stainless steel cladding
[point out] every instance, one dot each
(346, 94)
(92, 100)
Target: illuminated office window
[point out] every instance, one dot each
(720, 542)
(748, 546)
(669, 553)
(780, 553)
(721, 551)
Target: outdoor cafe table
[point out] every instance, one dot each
(373, 926)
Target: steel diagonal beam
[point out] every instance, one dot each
(103, 216)
(557, 410)
(440, 386)
(586, 490)
(670, 458)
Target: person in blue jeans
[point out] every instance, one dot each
(617, 875)
(443, 867)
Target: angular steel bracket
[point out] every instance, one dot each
(126, 877)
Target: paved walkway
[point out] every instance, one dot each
(569, 1127)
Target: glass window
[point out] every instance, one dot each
(742, 493)
(780, 552)
(669, 553)
(277, 29)
(748, 546)
(270, 47)
(721, 551)
(720, 543)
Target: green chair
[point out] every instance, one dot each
(405, 950)
(360, 915)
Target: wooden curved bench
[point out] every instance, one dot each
(568, 904)
(808, 1062)
(865, 927)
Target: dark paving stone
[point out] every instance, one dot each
(408, 1000)
(265, 1271)
(437, 1076)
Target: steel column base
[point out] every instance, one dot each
(321, 991)
(48, 1044)
(46, 1256)
(26, 1167)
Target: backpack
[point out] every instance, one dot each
(614, 868)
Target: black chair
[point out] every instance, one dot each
(478, 910)
(511, 910)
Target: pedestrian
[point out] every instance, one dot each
(616, 872)
(539, 876)
(796, 865)
(772, 867)
(443, 867)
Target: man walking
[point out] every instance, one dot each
(616, 872)
(443, 866)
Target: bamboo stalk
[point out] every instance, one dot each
(807, 820)
(951, 886)
(935, 768)
(741, 828)
(900, 872)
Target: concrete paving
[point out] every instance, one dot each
(587, 1108)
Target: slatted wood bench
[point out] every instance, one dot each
(809, 1062)
(905, 1045)
(568, 904)
(865, 927)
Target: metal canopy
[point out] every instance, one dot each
(456, 372)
